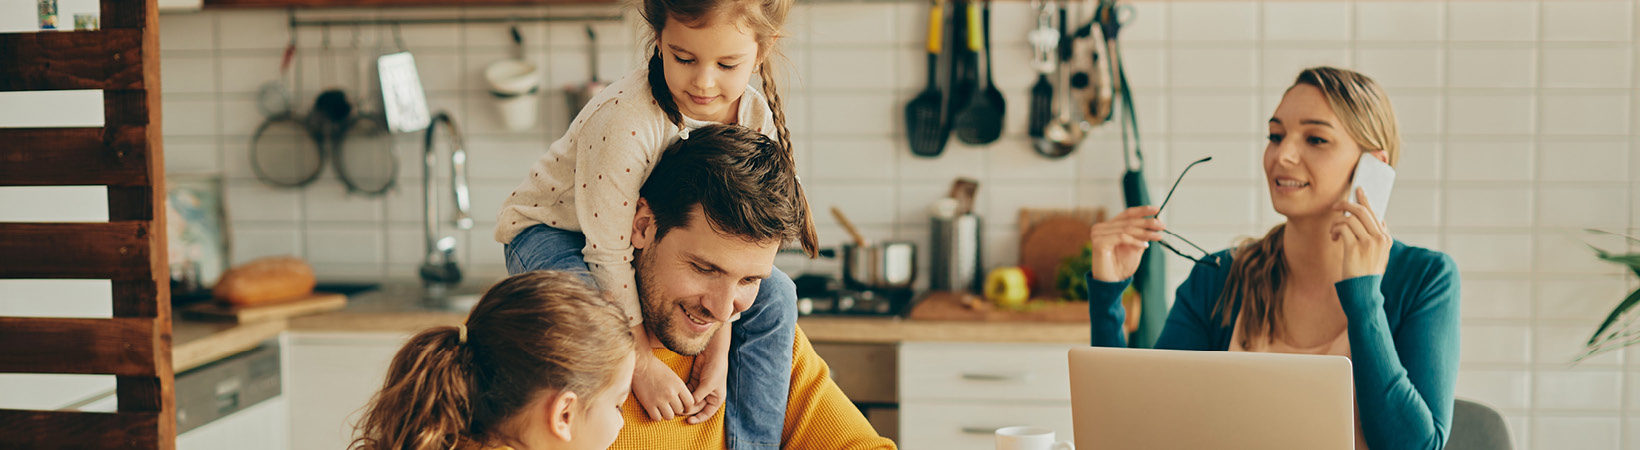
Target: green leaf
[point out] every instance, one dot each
(1071, 275)
(1629, 259)
(1628, 303)
(1616, 343)
(1608, 233)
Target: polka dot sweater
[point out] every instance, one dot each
(588, 180)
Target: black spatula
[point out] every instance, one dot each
(963, 63)
(981, 122)
(925, 115)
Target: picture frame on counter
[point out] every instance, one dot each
(197, 231)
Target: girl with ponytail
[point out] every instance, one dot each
(574, 210)
(1330, 280)
(541, 363)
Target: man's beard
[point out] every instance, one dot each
(658, 313)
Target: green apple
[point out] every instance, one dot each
(1007, 287)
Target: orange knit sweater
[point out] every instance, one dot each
(818, 414)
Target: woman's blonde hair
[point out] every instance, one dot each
(1361, 105)
(532, 334)
(766, 19)
(1259, 266)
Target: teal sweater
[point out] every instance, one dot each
(1403, 331)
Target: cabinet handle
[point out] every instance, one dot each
(990, 377)
(979, 430)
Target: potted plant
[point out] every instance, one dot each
(1620, 329)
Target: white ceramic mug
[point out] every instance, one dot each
(1029, 438)
(514, 84)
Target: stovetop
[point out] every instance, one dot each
(823, 295)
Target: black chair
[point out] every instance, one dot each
(1477, 427)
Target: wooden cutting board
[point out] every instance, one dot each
(968, 307)
(1047, 237)
(314, 303)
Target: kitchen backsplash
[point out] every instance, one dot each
(1518, 119)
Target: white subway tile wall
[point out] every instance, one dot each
(1400, 21)
(1575, 431)
(1517, 118)
(1402, 65)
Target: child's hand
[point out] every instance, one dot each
(658, 390)
(709, 377)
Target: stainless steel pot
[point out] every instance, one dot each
(884, 265)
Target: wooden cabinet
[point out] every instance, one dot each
(868, 374)
(954, 395)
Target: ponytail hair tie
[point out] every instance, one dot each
(461, 333)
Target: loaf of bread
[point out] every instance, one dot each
(266, 280)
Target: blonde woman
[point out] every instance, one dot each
(1324, 282)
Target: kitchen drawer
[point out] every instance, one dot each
(984, 371)
(958, 425)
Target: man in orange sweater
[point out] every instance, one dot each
(710, 218)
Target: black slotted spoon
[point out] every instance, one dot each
(925, 115)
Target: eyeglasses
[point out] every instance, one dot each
(1206, 258)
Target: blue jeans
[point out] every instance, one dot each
(760, 343)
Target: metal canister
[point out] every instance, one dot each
(955, 256)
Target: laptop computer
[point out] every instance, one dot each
(1168, 399)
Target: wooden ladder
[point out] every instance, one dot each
(122, 60)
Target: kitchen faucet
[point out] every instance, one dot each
(440, 267)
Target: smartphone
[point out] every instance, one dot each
(1377, 178)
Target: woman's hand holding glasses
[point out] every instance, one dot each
(1119, 243)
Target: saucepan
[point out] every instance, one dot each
(887, 265)
(890, 265)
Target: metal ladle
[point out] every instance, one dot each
(1066, 131)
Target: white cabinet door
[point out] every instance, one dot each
(259, 427)
(960, 425)
(329, 377)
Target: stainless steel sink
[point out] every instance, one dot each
(411, 296)
(459, 298)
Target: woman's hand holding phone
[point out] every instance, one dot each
(1366, 239)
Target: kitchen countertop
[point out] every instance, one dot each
(834, 329)
(396, 309)
(196, 343)
(399, 309)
